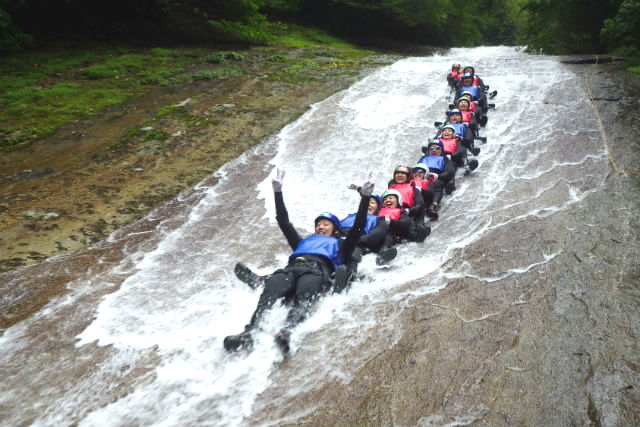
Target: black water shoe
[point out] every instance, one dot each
(422, 233)
(386, 255)
(245, 274)
(236, 342)
(340, 278)
(432, 211)
(450, 187)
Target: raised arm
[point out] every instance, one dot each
(282, 216)
(357, 230)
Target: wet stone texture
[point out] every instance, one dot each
(555, 345)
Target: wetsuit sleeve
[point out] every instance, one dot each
(473, 125)
(482, 100)
(375, 239)
(449, 170)
(418, 202)
(357, 229)
(282, 216)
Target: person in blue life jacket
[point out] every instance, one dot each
(477, 81)
(454, 118)
(311, 265)
(466, 85)
(439, 164)
(373, 239)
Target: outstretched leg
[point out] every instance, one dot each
(280, 284)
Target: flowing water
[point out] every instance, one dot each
(137, 340)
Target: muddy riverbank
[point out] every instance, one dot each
(556, 344)
(74, 188)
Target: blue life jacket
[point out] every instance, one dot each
(473, 89)
(319, 245)
(371, 223)
(435, 163)
(460, 129)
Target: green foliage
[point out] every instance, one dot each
(99, 72)
(278, 58)
(220, 57)
(41, 92)
(304, 38)
(568, 26)
(444, 22)
(171, 109)
(255, 29)
(287, 5)
(621, 33)
(241, 10)
(633, 65)
(12, 39)
(156, 136)
(205, 75)
(158, 51)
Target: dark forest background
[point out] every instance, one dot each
(549, 26)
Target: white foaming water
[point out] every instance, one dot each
(155, 344)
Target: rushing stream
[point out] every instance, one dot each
(137, 340)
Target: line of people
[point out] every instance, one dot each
(328, 259)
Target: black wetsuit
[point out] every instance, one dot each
(417, 210)
(304, 278)
(372, 241)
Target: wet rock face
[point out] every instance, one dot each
(557, 344)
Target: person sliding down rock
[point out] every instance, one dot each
(439, 164)
(477, 81)
(454, 76)
(308, 273)
(373, 240)
(401, 228)
(466, 85)
(455, 148)
(469, 119)
(431, 187)
(411, 199)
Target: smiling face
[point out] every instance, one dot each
(447, 133)
(400, 178)
(463, 104)
(455, 118)
(373, 206)
(467, 81)
(325, 227)
(435, 150)
(390, 201)
(418, 175)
